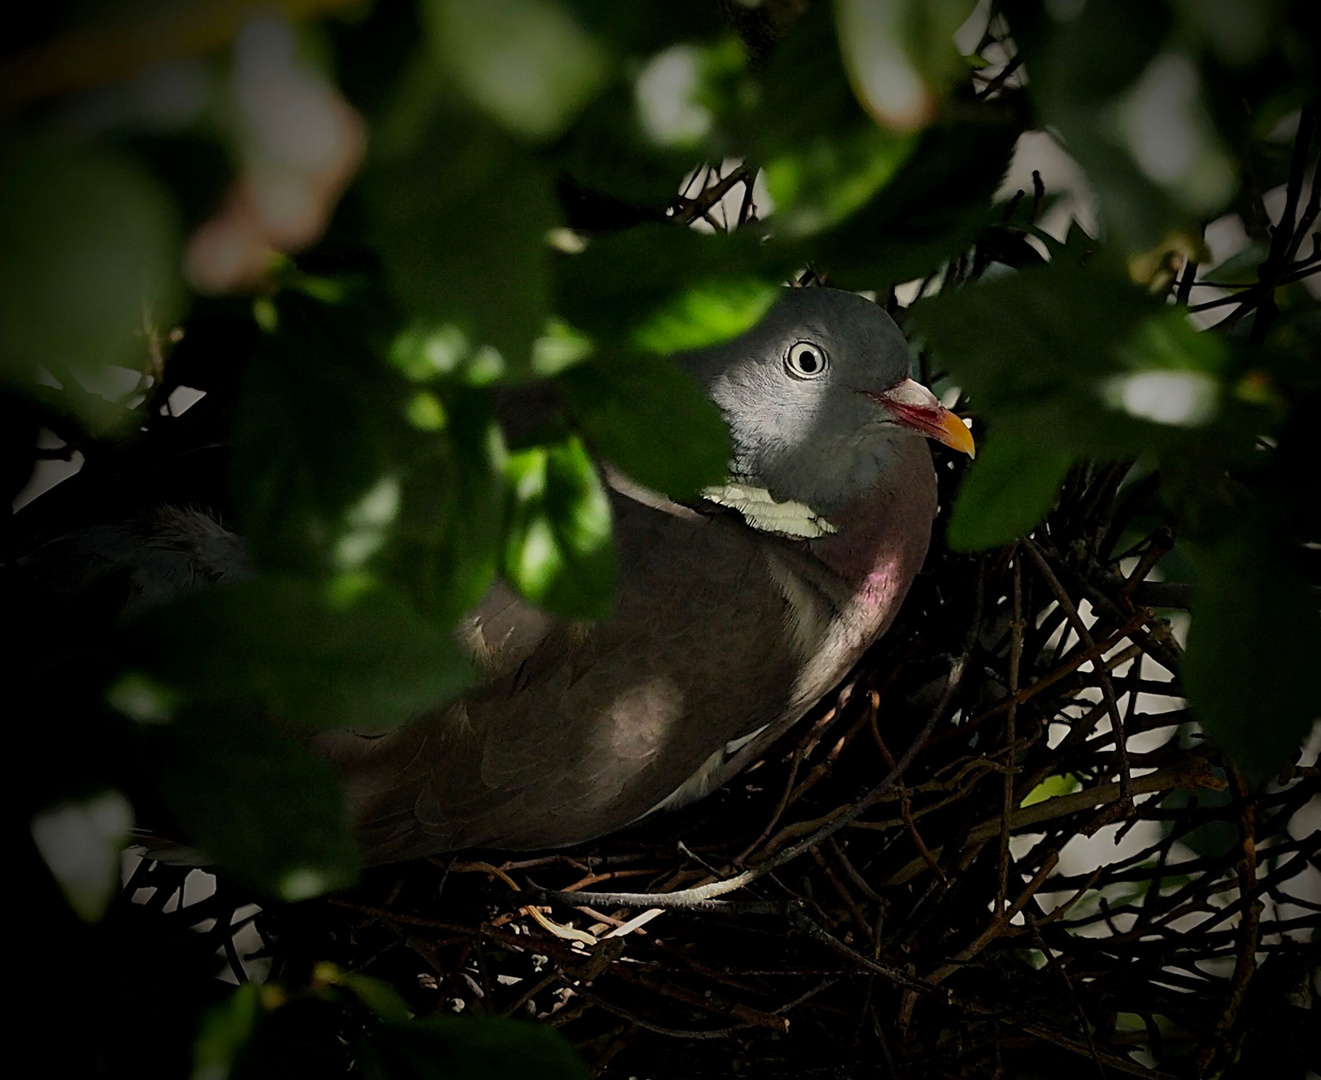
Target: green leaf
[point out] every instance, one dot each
(350, 653)
(663, 288)
(1050, 788)
(474, 1048)
(652, 420)
(316, 392)
(446, 543)
(380, 997)
(823, 155)
(558, 550)
(393, 474)
(929, 211)
(91, 255)
(459, 213)
(705, 313)
(529, 63)
(1255, 628)
(254, 801)
(226, 1029)
(1008, 490)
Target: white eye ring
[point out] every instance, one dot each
(806, 360)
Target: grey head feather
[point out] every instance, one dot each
(810, 436)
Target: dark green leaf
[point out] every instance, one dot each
(662, 288)
(823, 156)
(315, 391)
(459, 213)
(929, 211)
(1103, 367)
(644, 28)
(91, 254)
(377, 996)
(1255, 628)
(652, 420)
(558, 552)
(226, 1030)
(470, 1048)
(445, 545)
(1241, 268)
(347, 653)
(257, 803)
(1008, 490)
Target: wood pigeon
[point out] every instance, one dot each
(732, 617)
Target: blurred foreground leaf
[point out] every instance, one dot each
(652, 420)
(900, 55)
(661, 288)
(529, 63)
(365, 660)
(930, 210)
(558, 552)
(459, 213)
(471, 1048)
(1255, 629)
(258, 804)
(823, 155)
(1129, 106)
(226, 1029)
(90, 245)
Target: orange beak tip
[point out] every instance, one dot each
(955, 434)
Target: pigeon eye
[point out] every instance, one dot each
(805, 360)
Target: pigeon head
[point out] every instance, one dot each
(817, 397)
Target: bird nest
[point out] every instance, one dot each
(1002, 848)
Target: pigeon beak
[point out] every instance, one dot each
(912, 405)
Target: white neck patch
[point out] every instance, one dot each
(769, 515)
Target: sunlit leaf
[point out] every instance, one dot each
(705, 314)
(558, 551)
(663, 288)
(1050, 788)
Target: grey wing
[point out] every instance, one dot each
(582, 729)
